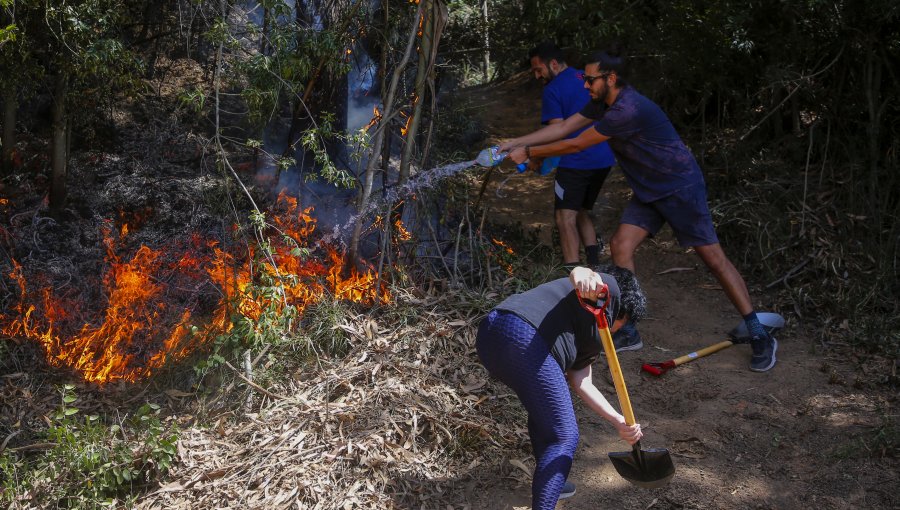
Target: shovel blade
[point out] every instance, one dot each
(647, 469)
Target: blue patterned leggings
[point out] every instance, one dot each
(513, 352)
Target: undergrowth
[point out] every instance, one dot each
(809, 240)
(89, 461)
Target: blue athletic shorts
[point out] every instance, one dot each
(578, 189)
(686, 211)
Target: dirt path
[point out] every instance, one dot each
(803, 435)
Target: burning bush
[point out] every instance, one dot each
(150, 302)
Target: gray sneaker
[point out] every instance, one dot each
(763, 353)
(568, 490)
(627, 338)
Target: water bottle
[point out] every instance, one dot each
(547, 166)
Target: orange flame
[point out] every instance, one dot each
(405, 128)
(402, 233)
(504, 246)
(376, 117)
(502, 259)
(141, 329)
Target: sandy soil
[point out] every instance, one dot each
(800, 436)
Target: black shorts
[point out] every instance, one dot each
(578, 189)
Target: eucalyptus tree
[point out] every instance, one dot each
(15, 54)
(10, 57)
(78, 48)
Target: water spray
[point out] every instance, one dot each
(488, 158)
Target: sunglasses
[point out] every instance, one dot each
(590, 79)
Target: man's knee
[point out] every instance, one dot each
(566, 216)
(566, 213)
(621, 244)
(714, 258)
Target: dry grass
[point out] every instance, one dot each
(406, 419)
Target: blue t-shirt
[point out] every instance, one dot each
(652, 156)
(563, 97)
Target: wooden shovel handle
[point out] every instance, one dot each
(616, 370)
(610, 349)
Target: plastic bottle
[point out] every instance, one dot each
(547, 166)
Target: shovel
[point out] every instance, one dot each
(772, 322)
(648, 469)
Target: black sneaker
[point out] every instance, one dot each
(568, 490)
(627, 338)
(763, 353)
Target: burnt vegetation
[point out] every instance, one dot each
(164, 276)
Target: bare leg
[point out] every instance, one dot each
(623, 244)
(586, 228)
(724, 271)
(568, 235)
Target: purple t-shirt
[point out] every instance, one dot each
(563, 97)
(652, 156)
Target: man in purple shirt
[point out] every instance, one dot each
(666, 180)
(579, 176)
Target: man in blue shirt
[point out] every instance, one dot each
(666, 180)
(579, 176)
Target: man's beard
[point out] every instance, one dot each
(601, 98)
(549, 78)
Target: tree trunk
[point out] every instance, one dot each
(8, 142)
(412, 128)
(388, 114)
(795, 116)
(10, 105)
(265, 31)
(777, 118)
(59, 145)
(485, 23)
(874, 108)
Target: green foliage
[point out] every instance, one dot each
(90, 464)
(8, 34)
(193, 99)
(293, 55)
(314, 140)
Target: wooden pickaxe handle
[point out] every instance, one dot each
(706, 351)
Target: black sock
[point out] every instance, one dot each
(593, 254)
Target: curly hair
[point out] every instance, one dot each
(633, 300)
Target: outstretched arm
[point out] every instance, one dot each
(549, 133)
(583, 385)
(587, 138)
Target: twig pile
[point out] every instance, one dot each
(400, 422)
